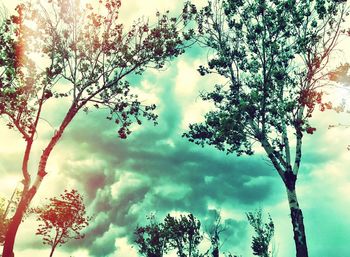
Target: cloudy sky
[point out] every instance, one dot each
(157, 171)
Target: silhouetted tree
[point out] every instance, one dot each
(272, 56)
(84, 55)
(183, 234)
(151, 239)
(214, 231)
(175, 233)
(264, 233)
(62, 219)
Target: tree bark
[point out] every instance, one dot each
(17, 218)
(298, 224)
(53, 249)
(25, 200)
(215, 252)
(15, 222)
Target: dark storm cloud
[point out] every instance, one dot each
(155, 170)
(90, 178)
(103, 246)
(199, 174)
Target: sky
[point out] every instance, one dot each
(158, 171)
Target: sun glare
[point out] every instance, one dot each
(9, 184)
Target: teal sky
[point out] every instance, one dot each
(157, 171)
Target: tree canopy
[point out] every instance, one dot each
(81, 53)
(175, 233)
(272, 56)
(62, 219)
(264, 233)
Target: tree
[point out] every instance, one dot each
(62, 219)
(151, 239)
(181, 234)
(264, 233)
(213, 231)
(272, 56)
(85, 57)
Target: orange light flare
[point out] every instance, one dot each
(20, 46)
(339, 90)
(24, 47)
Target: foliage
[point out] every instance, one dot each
(151, 239)
(94, 59)
(62, 219)
(264, 233)
(76, 57)
(272, 54)
(181, 234)
(214, 232)
(18, 75)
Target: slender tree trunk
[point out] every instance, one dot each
(215, 252)
(17, 218)
(25, 200)
(215, 243)
(53, 249)
(15, 222)
(298, 224)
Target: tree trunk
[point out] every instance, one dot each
(53, 249)
(215, 252)
(15, 222)
(25, 201)
(298, 224)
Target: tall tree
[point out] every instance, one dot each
(272, 56)
(264, 233)
(85, 55)
(62, 219)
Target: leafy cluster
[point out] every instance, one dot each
(89, 51)
(19, 79)
(151, 239)
(83, 53)
(182, 234)
(62, 219)
(264, 233)
(273, 55)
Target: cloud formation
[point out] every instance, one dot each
(156, 170)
